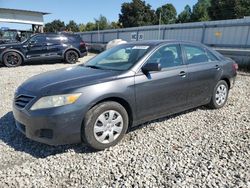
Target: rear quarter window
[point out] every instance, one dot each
(74, 38)
(218, 55)
(211, 56)
(56, 39)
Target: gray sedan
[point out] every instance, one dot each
(96, 103)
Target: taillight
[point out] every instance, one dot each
(82, 43)
(235, 66)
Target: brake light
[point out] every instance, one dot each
(82, 43)
(235, 66)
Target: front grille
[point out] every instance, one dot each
(23, 100)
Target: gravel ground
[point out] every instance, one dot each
(198, 148)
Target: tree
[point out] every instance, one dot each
(102, 22)
(229, 9)
(136, 13)
(82, 27)
(54, 26)
(115, 25)
(168, 14)
(185, 15)
(200, 11)
(242, 8)
(72, 26)
(90, 26)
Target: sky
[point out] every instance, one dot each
(81, 11)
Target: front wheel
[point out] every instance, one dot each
(105, 125)
(12, 59)
(220, 95)
(71, 56)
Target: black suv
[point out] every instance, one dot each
(47, 46)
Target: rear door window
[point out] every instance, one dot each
(195, 54)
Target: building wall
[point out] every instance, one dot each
(225, 33)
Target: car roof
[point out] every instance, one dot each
(55, 34)
(159, 42)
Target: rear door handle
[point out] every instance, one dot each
(182, 74)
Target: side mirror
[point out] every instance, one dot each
(151, 67)
(128, 51)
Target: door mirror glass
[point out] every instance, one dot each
(151, 67)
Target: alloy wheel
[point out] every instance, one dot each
(72, 57)
(12, 59)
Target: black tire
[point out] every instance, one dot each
(214, 103)
(71, 57)
(12, 59)
(91, 121)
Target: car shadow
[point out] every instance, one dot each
(51, 62)
(36, 63)
(48, 62)
(13, 138)
(150, 123)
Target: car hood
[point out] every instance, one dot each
(66, 80)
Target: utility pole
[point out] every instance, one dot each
(159, 34)
(98, 26)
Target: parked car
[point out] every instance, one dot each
(114, 43)
(97, 102)
(40, 47)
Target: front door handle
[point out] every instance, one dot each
(182, 74)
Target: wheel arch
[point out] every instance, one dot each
(122, 102)
(74, 49)
(12, 50)
(227, 80)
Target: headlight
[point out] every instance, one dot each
(55, 101)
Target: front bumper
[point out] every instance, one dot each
(57, 126)
(232, 82)
(84, 53)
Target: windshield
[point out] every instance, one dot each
(122, 57)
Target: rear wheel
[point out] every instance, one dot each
(12, 59)
(105, 125)
(71, 56)
(220, 95)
